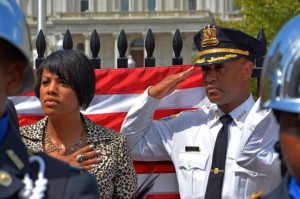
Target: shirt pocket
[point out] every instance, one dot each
(250, 182)
(192, 167)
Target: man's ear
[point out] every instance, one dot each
(247, 70)
(15, 73)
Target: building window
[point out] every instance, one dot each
(151, 5)
(84, 5)
(124, 5)
(80, 47)
(192, 4)
(138, 43)
(234, 8)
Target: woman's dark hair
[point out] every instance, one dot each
(76, 68)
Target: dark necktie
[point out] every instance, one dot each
(216, 176)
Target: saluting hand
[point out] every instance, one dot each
(89, 157)
(169, 84)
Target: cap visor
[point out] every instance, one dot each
(216, 58)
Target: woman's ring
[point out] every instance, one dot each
(80, 158)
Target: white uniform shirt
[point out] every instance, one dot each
(250, 166)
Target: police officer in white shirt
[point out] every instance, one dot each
(212, 158)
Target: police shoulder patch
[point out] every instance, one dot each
(168, 117)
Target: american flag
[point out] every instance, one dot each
(116, 91)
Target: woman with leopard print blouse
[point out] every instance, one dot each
(66, 84)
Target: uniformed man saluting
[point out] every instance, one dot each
(225, 148)
(24, 174)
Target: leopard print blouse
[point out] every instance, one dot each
(115, 175)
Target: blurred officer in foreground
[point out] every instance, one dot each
(281, 92)
(25, 174)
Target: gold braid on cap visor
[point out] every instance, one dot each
(220, 58)
(224, 50)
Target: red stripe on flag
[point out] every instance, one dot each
(163, 196)
(142, 167)
(136, 80)
(28, 119)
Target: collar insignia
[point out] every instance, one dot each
(15, 159)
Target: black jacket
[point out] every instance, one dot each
(64, 181)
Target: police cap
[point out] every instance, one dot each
(217, 45)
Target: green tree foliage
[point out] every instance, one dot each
(270, 15)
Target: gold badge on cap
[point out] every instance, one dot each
(209, 36)
(5, 179)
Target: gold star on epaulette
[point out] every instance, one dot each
(256, 195)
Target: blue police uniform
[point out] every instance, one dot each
(64, 181)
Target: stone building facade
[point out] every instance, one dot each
(135, 17)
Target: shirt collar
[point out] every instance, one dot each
(239, 114)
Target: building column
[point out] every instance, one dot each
(102, 6)
(181, 6)
(58, 42)
(171, 5)
(50, 7)
(64, 5)
(115, 5)
(91, 5)
(199, 5)
(87, 39)
(158, 5)
(30, 8)
(131, 5)
(116, 52)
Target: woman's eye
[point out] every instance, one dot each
(45, 82)
(64, 82)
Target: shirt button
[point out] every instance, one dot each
(250, 128)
